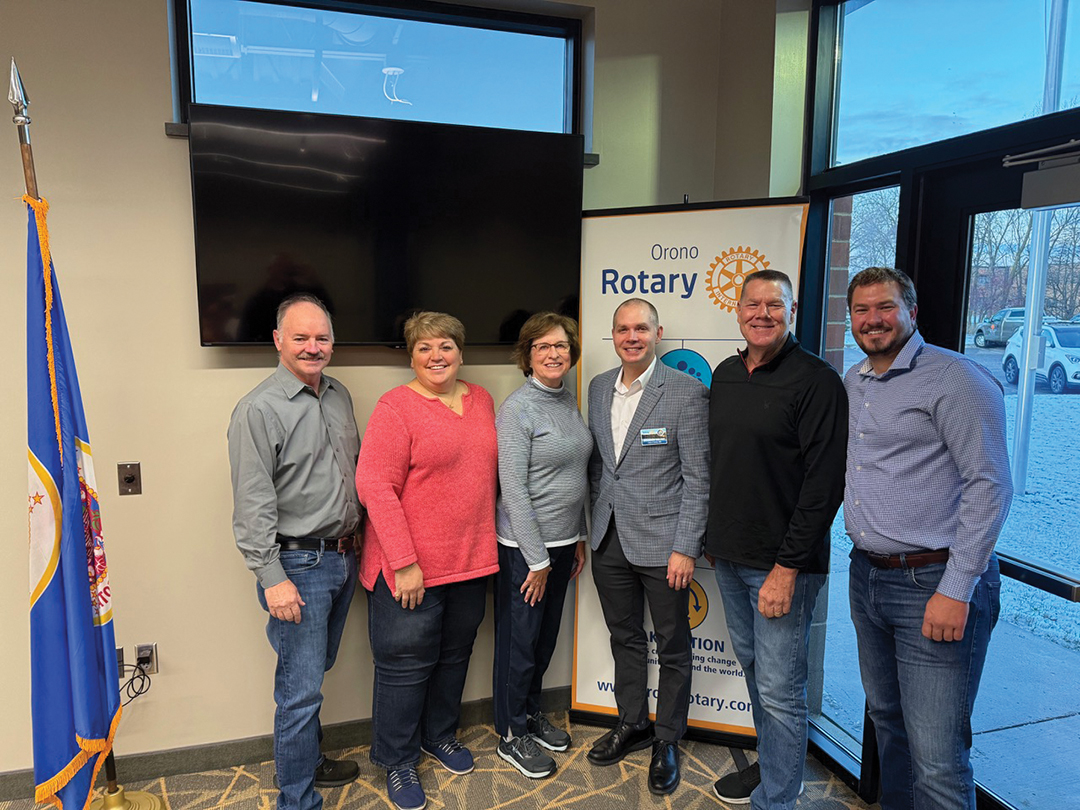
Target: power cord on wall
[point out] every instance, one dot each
(137, 683)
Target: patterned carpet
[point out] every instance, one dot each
(495, 785)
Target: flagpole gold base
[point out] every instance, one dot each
(127, 800)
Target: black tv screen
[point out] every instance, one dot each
(380, 218)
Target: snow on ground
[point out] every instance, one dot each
(1044, 523)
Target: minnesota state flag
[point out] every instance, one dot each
(75, 699)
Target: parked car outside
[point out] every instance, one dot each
(1002, 325)
(999, 327)
(1061, 363)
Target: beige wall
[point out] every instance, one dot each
(746, 42)
(99, 77)
(789, 97)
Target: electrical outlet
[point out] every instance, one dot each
(120, 660)
(146, 658)
(130, 477)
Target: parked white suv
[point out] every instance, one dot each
(1061, 363)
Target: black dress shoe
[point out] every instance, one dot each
(664, 769)
(619, 742)
(336, 772)
(332, 773)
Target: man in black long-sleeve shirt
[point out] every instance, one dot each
(778, 433)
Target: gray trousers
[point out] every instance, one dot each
(623, 587)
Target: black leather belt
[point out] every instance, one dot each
(915, 560)
(342, 544)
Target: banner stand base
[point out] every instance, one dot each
(706, 735)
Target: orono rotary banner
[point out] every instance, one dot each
(690, 263)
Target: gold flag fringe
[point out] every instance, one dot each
(45, 793)
(41, 208)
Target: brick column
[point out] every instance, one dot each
(835, 333)
(838, 273)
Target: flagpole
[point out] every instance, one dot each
(114, 797)
(18, 99)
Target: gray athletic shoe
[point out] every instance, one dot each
(524, 754)
(547, 735)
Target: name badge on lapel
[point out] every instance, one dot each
(650, 436)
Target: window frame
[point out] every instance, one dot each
(566, 28)
(822, 87)
(916, 170)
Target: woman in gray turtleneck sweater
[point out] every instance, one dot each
(544, 449)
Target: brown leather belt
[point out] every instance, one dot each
(915, 560)
(342, 544)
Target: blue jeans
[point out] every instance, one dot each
(421, 660)
(525, 636)
(920, 692)
(773, 655)
(326, 581)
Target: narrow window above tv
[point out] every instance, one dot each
(412, 60)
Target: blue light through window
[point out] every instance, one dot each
(251, 54)
(918, 71)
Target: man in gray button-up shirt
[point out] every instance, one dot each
(293, 445)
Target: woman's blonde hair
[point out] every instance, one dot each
(425, 325)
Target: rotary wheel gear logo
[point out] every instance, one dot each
(725, 278)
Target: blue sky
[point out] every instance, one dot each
(915, 71)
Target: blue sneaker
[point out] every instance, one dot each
(404, 789)
(451, 754)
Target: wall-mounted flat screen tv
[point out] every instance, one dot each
(380, 218)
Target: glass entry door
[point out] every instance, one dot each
(862, 233)
(1026, 727)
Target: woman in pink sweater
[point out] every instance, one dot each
(427, 476)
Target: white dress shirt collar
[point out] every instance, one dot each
(640, 382)
(624, 404)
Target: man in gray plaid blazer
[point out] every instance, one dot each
(649, 477)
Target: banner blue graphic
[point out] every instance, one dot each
(75, 699)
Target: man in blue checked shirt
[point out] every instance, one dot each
(927, 491)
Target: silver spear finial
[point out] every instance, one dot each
(19, 101)
(17, 96)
